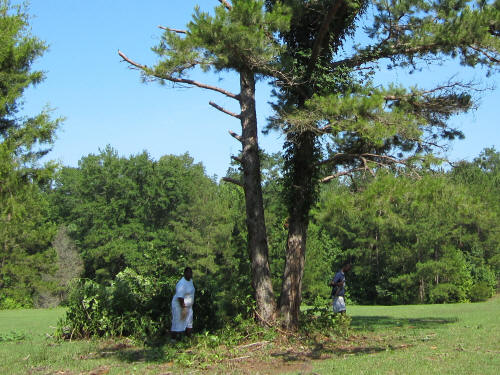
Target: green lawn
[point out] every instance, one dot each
(423, 339)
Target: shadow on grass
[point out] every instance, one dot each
(320, 351)
(127, 352)
(373, 323)
(360, 344)
(161, 351)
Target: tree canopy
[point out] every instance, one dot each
(25, 232)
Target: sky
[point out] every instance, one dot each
(104, 102)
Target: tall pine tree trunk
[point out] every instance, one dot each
(257, 237)
(301, 194)
(291, 289)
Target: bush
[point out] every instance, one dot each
(446, 293)
(9, 303)
(133, 305)
(321, 318)
(480, 291)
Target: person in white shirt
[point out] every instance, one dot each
(182, 305)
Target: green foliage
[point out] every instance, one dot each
(481, 291)
(242, 40)
(132, 305)
(323, 258)
(25, 231)
(447, 292)
(13, 336)
(409, 238)
(321, 318)
(154, 216)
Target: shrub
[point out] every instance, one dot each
(321, 318)
(446, 293)
(480, 291)
(133, 305)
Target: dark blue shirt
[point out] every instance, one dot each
(339, 276)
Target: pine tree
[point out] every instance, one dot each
(240, 37)
(25, 232)
(368, 127)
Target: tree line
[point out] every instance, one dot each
(430, 239)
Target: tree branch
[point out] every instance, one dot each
(380, 51)
(233, 181)
(174, 30)
(336, 156)
(224, 110)
(226, 4)
(452, 85)
(322, 33)
(491, 58)
(236, 159)
(343, 173)
(149, 71)
(236, 136)
(365, 166)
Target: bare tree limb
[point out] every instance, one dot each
(452, 85)
(226, 4)
(149, 71)
(236, 136)
(334, 157)
(236, 159)
(232, 181)
(224, 110)
(343, 173)
(365, 165)
(174, 30)
(491, 58)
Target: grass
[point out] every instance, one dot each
(422, 339)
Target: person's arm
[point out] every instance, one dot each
(180, 291)
(336, 282)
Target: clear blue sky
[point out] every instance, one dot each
(104, 102)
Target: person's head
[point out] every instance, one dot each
(188, 273)
(346, 266)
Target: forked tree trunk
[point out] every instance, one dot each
(257, 237)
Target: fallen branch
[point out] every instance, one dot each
(239, 358)
(253, 344)
(273, 326)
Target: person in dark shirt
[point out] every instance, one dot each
(338, 289)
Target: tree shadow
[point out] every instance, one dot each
(362, 345)
(131, 353)
(320, 351)
(373, 323)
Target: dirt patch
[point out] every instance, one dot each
(256, 367)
